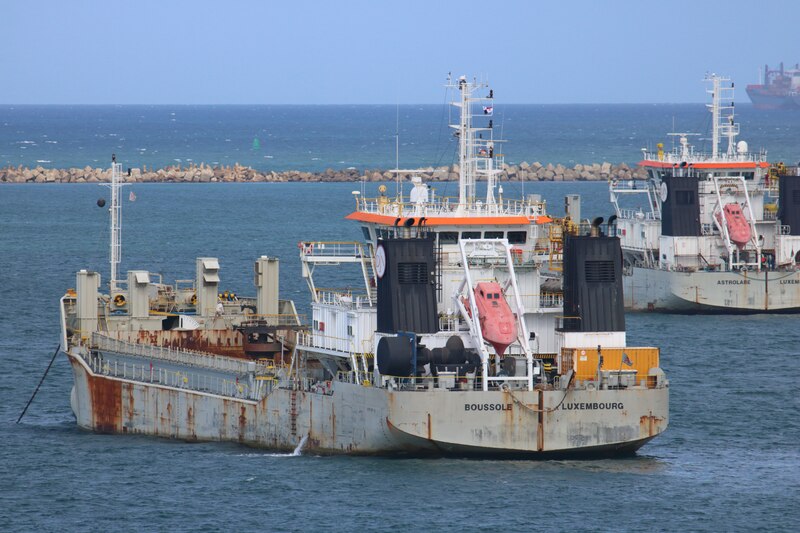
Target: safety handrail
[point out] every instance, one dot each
(181, 356)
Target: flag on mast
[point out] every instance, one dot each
(488, 110)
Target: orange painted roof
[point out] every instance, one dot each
(739, 164)
(389, 220)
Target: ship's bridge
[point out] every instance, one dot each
(702, 160)
(448, 211)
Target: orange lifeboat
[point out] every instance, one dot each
(498, 323)
(738, 228)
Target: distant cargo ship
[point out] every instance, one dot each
(779, 90)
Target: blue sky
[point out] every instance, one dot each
(346, 52)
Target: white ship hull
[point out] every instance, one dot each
(355, 419)
(647, 289)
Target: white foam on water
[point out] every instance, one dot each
(298, 451)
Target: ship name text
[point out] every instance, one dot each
(487, 406)
(589, 406)
(733, 282)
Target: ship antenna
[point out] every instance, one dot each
(722, 112)
(115, 212)
(466, 176)
(397, 148)
(714, 115)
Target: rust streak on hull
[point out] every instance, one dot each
(106, 396)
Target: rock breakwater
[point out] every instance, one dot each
(236, 173)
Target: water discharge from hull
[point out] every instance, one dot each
(299, 449)
(297, 452)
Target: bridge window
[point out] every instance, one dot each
(517, 237)
(448, 237)
(367, 236)
(470, 234)
(492, 234)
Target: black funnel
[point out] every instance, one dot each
(593, 298)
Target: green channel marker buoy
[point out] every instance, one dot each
(256, 144)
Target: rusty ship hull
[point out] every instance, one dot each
(351, 419)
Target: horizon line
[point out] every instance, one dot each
(437, 104)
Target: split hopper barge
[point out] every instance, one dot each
(426, 384)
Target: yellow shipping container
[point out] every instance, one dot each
(584, 361)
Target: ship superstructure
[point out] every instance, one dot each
(710, 231)
(435, 348)
(536, 243)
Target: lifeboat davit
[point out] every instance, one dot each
(498, 323)
(738, 228)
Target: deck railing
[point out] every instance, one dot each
(636, 214)
(448, 206)
(332, 249)
(181, 379)
(677, 157)
(276, 320)
(325, 342)
(179, 356)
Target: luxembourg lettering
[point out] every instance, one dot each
(487, 406)
(733, 282)
(790, 281)
(591, 406)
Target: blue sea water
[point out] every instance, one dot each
(730, 459)
(313, 138)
